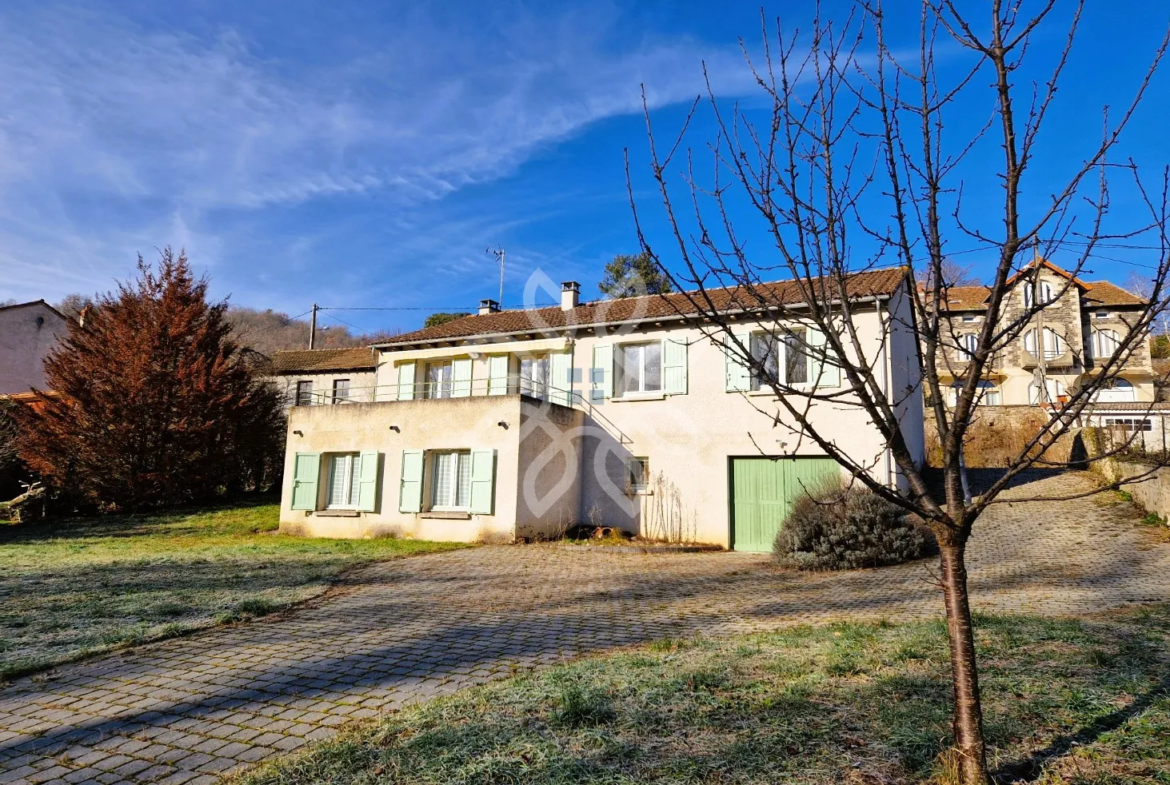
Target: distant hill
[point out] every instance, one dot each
(269, 331)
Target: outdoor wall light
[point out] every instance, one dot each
(299, 433)
(503, 425)
(395, 428)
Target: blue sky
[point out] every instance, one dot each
(365, 154)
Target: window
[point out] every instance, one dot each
(1105, 344)
(342, 492)
(304, 393)
(782, 356)
(440, 383)
(340, 390)
(1101, 315)
(1043, 288)
(639, 368)
(1052, 391)
(968, 318)
(451, 481)
(534, 375)
(987, 394)
(637, 475)
(967, 345)
(1053, 344)
(1129, 424)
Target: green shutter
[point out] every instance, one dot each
(822, 371)
(674, 367)
(306, 470)
(483, 481)
(461, 378)
(410, 489)
(601, 374)
(405, 381)
(368, 481)
(560, 371)
(738, 375)
(498, 374)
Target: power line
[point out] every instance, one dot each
(401, 308)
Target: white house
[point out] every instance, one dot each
(517, 424)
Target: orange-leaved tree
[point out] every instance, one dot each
(151, 402)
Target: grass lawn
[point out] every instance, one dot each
(86, 586)
(1066, 702)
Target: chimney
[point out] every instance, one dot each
(488, 306)
(570, 292)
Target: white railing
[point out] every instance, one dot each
(511, 384)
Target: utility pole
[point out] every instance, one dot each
(499, 254)
(313, 328)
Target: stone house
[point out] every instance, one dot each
(627, 413)
(1080, 325)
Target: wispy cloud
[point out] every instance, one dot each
(115, 137)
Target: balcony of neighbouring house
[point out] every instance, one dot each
(1046, 348)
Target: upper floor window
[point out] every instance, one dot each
(782, 356)
(340, 390)
(968, 317)
(1105, 344)
(440, 379)
(967, 345)
(343, 489)
(451, 480)
(1041, 288)
(639, 368)
(1053, 344)
(304, 393)
(534, 376)
(1101, 315)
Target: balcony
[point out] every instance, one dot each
(512, 384)
(1050, 358)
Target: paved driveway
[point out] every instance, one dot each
(188, 709)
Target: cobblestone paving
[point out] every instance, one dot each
(188, 710)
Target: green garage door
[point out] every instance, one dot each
(762, 492)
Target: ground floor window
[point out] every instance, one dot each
(344, 471)
(1051, 392)
(637, 475)
(987, 394)
(1129, 424)
(451, 480)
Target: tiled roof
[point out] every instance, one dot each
(1130, 406)
(859, 286)
(1105, 293)
(967, 298)
(323, 360)
(1099, 293)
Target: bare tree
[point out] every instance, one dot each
(850, 167)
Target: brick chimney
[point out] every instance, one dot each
(488, 306)
(570, 294)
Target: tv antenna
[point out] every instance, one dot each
(499, 254)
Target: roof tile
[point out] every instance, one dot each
(321, 360)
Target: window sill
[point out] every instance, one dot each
(447, 515)
(645, 492)
(337, 513)
(640, 397)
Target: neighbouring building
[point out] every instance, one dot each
(310, 377)
(1080, 325)
(521, 423)
(28, 332)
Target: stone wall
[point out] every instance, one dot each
(997, 435)
(1150, 486)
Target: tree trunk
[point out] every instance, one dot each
(968, 718)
